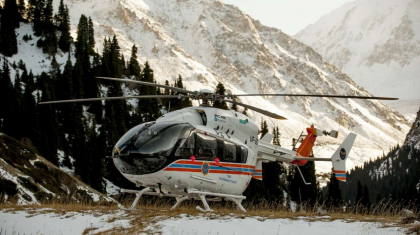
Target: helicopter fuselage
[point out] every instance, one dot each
(211, 150)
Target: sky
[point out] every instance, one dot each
(290, 16)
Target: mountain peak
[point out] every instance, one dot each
(376, 42)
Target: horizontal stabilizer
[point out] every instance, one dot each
(267, 138)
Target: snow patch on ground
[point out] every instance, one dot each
(22, 222)
(258, 225)
(48, 221)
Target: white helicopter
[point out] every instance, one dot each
(200, 152)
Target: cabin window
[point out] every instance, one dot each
(206, 147)
(244, 154)
(187, 145)
(229, 152)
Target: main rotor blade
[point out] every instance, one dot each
(110, 98)
(148, 84)
(270, 114)
(328, 96)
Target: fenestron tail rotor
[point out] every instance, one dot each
(206, 95)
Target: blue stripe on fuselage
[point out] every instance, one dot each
(188, 166)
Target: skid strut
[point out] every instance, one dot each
(234, 198)
(181, 198)
(138, 196)
(148, 191)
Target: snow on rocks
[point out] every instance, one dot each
(111, 188)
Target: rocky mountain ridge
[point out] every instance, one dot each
(207, 42)
(377, 43)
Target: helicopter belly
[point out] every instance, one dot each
(200, 175)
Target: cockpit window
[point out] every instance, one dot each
(145, 148)
(229, 152)
(154, 139)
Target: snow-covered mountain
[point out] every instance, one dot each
(375, 42)
(207, 41)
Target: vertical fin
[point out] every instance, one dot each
(340, 156)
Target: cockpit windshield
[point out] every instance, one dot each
(145, 148)
(153, 139)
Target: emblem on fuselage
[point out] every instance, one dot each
(343, 154)
(205, 168)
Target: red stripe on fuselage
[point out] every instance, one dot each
(342, 172)
(182, 169)
(214, 164)
(231, 172)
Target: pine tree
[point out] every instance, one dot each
(359, 195)
(77, 76)
(91, 37)
(9, 21)
(275, 137)
(6, 91)
(63, 25)
(37, 15)
(84, 42)
(133, 65)
(50, 137)
(49, 44)
(147, 108)
(234, 106)
(366, 198)
(95, 107)
(334, 197)
(14, 127)
(263, 128)
(30, 113)
(220, 90)
(22, 10)
(245, 112)
(96, 156)
(278, 136)
(115, 58)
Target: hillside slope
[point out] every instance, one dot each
(36, 179)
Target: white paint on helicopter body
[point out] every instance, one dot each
(223, 124)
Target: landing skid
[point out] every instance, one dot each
(195, 194)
